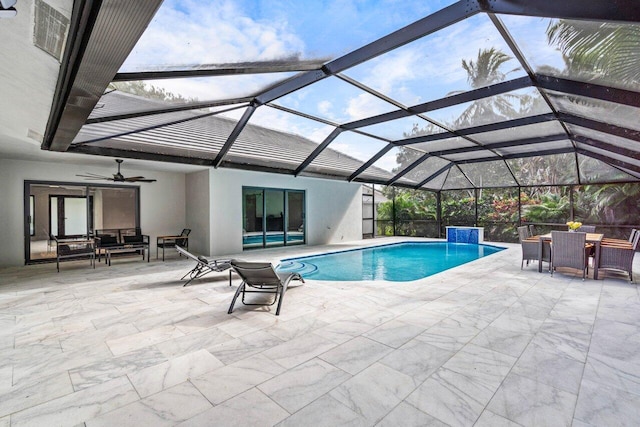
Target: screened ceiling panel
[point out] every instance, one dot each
(609, 154)
(199, 89)
(543, 129)
(429, 68)
(406, 127)
(266, 129)
(443, 144)
(556, 169)
(335, 100)
(470, 155)
(208, 133)
(489, 174)
(628, 144)
(532, 148)
(596, 171)
(185, 33)
(393, 162)
(436, 182)
(424, 170)
(597, 109)
(543, 41)
(456, 180)
(493, 109)
(345, 154)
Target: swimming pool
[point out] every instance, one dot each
(397, 262)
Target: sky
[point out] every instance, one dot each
(192, 32)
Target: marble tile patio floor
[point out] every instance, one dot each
(485, 344)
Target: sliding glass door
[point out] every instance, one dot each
(272, 217)
(70, 210)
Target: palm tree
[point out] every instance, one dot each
(594, 50)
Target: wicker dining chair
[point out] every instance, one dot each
(587, 229)
(619, 257)
(570, 250)
(530, 247)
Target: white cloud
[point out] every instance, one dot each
(324, 107)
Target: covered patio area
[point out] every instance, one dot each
(483, 344)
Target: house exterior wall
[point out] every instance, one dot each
(198, 213)
(162, 204)
(333, 208)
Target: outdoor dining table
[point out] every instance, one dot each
(595, 238)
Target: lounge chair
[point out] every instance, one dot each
(204, 266)
(570, 250)
(262, 279)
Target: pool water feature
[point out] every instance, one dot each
(397, 262)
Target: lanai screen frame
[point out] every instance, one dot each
(95, 38)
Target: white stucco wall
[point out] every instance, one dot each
(197, 211)
(162, 204)
(333, 208)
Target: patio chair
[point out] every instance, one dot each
(532, 230)
(613, 241)
(204, 266)
(570, 250)
(587, 229)
(173, 241)
(530, 247)
(262, 279)
(619, 257)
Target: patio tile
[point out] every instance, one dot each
(110, 368)
(299, 350)
(374, 392)
(231, 380)
(601, 405)
(166, 408)
(251, 408)
(489, 419)
(343, 330)
(301, 385)
(617, 340)
(325, 412)
(575, 348)
(355, 355)
(613, 372)
(408, 416)
(417, 359)
(394, 333)
(446, 400)
(206, 339)
(80, 406)
(511, 343)
(147, 338)
(294, 328)
(24, 396)
(450, 334)
(156, 378)
(531, 403)
(553, 369)
(241, 348)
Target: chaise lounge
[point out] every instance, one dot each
(204, 266)
(262, 279)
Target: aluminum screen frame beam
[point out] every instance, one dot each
(234, 135)
(597, 10)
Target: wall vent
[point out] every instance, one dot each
(50, 30)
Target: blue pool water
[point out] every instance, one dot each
(399, 262)
(271, 238)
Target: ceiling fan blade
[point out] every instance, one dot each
(144, 180)
(133, 178)
(93, 176)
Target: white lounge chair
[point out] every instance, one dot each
(204, 265)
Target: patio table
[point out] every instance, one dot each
(595, 238)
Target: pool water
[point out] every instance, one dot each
(398, 262)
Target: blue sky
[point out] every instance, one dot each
(190, 32)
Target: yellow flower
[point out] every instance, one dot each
(574, 225)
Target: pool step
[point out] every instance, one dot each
(303, 268)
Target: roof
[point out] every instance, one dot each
(550, 96)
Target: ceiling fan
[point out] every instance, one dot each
(117, 177)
